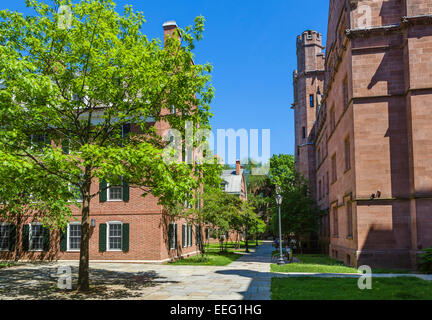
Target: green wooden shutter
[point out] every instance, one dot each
(125, 190)
(103, 191)
(46, 239)
(170, 235)
(26, 237)
(125, 237)
(12, 237)
(63, 240)
(175, 235)
(102, 237)
(183, 236)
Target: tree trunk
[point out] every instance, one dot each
(83, 275)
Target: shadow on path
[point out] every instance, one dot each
(39, 282)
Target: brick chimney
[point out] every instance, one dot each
(238, 167)
(169, 28)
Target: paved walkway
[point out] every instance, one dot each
(247, 278)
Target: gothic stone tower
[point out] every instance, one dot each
(308, 86)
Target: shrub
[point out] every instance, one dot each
(426, 261)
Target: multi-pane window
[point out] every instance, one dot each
(74, 237)
(349, 220)
(36, 237)
(332, 118)
(114, 236)
(345, 92)
(311, 100)
(173, 109)
(115, 193)
(334, 172)
(347, 154)
(187, 235)
(4, 237)
(335, 222)
(304, 132)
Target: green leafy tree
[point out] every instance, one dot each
(69, 96)
(299, 211)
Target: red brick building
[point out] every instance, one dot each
(365, 146)
(124, 227)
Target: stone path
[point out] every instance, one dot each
(247, 278)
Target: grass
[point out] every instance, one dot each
(319, 263)
(312, 288)
(6, 265)
(214, 257)
(210, 259)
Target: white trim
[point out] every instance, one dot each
(68, 249)
(6, 224)
(121, 193)
(30, 236)
(121, 236)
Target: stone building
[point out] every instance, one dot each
(365, 145)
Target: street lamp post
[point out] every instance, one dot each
(279, 202)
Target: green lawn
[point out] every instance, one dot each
(6, 264)
(319, 263)
(212, 259)
(313, 288)
(233, 246)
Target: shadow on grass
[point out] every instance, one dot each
(38, 282)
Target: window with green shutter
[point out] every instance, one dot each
(125, 190)
(103, 191)
(26, 237)
(125, 237)
(102, 237)
(183, 235)
(63, 241)
(12, 237)
(46, 239)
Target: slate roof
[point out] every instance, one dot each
(232, 181)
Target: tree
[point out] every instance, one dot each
(24, 191)
(70, 95)
(299, 212)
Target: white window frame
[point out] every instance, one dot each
(7, 224)
(108, 235)
(68, 236)
(121, 192)
(31, 236)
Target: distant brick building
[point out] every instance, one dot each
(366, 146)
(125, 227)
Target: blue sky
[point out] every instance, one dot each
(252, 46)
